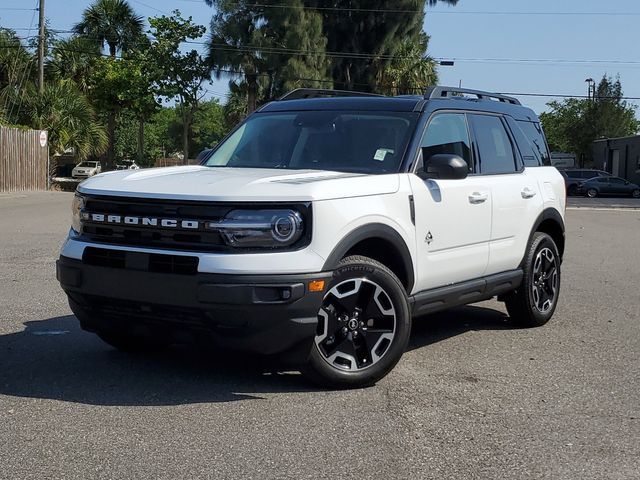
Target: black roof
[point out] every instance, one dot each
(305, 100)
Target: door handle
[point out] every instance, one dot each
(477, 197)
(528, 193)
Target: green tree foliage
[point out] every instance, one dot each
(73, 59)
(411, 69)
(163, 132)
(270, 50)
(114, 23)
(111, 22)
(369, 36)
(67, 115)
(573, 124)
(179, 74)
(17, 68)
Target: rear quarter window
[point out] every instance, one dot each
(534, 134)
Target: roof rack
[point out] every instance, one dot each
(303, 93)
(449, 92)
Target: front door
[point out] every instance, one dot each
(453, 217)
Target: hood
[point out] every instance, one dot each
(238, 184)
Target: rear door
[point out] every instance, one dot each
(618, 186)
(516, 197)
(452, 217)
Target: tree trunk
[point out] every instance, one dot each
(186, 125)
(112, 50)
(140, 140)
(252, 92)
(111, 133)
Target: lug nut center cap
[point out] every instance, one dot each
(353, 324)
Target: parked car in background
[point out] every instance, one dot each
(573, 176)
(86, 169)
(127, 165)
(608, 186)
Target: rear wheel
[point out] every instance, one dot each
(592, 193)
(535, 301)
(363, 326)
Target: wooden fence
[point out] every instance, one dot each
(24, 162)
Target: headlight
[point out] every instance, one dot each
(260, 228)
(76, 207)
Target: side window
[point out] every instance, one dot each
(602, 180)
(448, 133)
(617, 181)
(533, 131)
(494, 145)
(529, 157)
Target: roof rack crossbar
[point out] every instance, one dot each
(449, 92)
(303, 93)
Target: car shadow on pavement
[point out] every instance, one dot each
(440, 326)
(54, 359)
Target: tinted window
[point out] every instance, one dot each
(529, 158)
(602, 180)
(533, 131)
(368, 142)
(496, 151)
(448, 133)
(618, 181)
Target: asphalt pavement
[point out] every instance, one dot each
(472, 398)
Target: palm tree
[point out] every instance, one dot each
(113, 22)
(410, 70)
(68, 117)
(73, 58)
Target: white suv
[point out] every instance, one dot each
(320, 227)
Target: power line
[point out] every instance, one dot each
(428, 11)
(332, 54)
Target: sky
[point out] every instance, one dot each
(507, 46)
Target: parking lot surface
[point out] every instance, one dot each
(472, 398)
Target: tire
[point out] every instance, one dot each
(535, 301)
(363, 326)
(592, 193)
(131, 343)
(635, 194)
(572, 190)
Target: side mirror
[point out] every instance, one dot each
(443, 166)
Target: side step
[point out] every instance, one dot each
(472, 291)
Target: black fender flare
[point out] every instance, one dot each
(373, 231)
(547, 214)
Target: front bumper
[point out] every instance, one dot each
(265, 314)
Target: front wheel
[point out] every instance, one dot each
(535, 300)
(635, 194)
(363, 326)
(592, 193)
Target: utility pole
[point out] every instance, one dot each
(41, 48)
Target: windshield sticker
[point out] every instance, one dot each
(381, 153)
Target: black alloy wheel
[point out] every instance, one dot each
(363, 325)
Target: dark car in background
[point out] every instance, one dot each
(574, 176)
(608, 186)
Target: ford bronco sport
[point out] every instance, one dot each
(320, 227)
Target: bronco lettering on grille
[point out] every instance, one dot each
(141, 221)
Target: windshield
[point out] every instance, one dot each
(88, 164)
(371, 142)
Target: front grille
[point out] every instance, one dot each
(155, 236)
(189, 218)
(157, 263)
